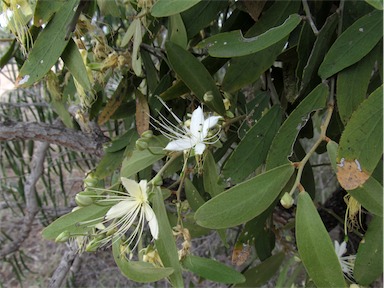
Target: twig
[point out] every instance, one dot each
(30, 197)
(309, 17)
(64, 267)
(53, 134)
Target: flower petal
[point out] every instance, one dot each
(143, 190)
(197, 122)
(208, 124)
(120, 209)
(152, 220)
(132, 187)
(199, 148)
(180, 145)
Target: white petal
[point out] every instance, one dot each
(197, 122)
(152, 220)
(199, 148)
(180, 145)
(120, 209)
(143, 189)
(132, 187)
(208, 124)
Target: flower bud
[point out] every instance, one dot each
(91, 180)
(208, 96)
(158, 180)
(83, 200)
(147, 134)
(93, 245)
(141, 144)
(286, 201)
(63, 237)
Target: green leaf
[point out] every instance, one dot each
(195, 76)
(122, 141)
(256, 143)
(201, 15)
(164, 8)
(378, 4)
(315, 247)
(259, 275)
(212, 270)
(165, 243)
(369, 258)
(244, 201)
(71, 222)
(255, 64)
(233, 44)
(109, 163)
(353, 44)
(332, 148)
(370, 195)
(75, 64)
(141, 159)
(48, 46)
(109, 7)
(320, 48)
(44, 10)
(138, 271)
(352, 85)
(193, 196)
(362, 139)
(178, 34)
(282, 144)
(211, 176)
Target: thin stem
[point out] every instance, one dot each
(322, 137)
(309, 17)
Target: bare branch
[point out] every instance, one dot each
(65, 265)
(37, 167)
(53, 134)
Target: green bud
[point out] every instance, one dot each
(158, 180)
(63, 237)
(83, 200)
(229, 114)
(93, 245)
(141, 144)
(91, 180)
(286, 201)
(147, 134)
(208, 96)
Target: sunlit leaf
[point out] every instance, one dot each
(244, 201)
(315, 247)
(164, 8)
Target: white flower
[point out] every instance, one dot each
(184, 138)
(132, 206)
(347, 263)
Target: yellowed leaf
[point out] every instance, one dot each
(350, 175)
(240, 254)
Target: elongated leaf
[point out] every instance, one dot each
(193, 196)
(75, 64)
(282, 144)
(44, 10)
(212, 270)
(369, 258)
(48, 46)
(320, 48)
(244, 201)
(142, 272)
(353, 44)
(71, 222)
(370, 195)
(195, 76)
(362, 139)
(259, 275)
(255, 64)
(315, 247)
(178, 34)
(256, 144)
(233, 44)
(352, 85)
(211, 177)
(378, 4)
(165, 243)
(109, 163)
(164, 8)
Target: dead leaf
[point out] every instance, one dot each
(142, 113)
(350, 175)
(240, 253)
